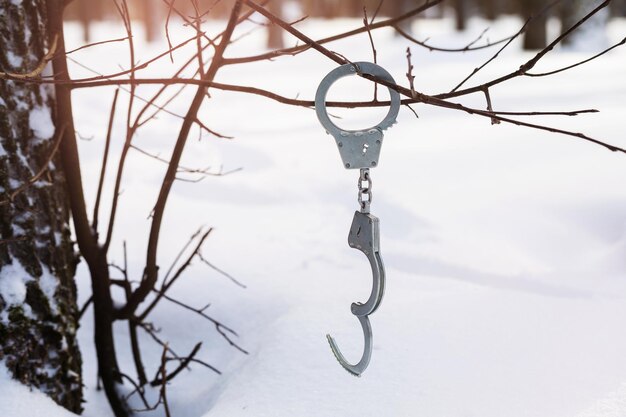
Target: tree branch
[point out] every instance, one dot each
(151, 271)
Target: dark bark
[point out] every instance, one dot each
(489, 8)
(38, 311)
(87, 241)
(460, 14)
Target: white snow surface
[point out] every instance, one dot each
(48, 284)
(504, 246)
(16, 400)
(40, 122)
(15, 61)
(13, 279)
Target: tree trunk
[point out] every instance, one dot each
(399, 8)
(460, 14)
(94, 255)
(38, 312)
(489, 9)
(618, 8)
(275, 32)
(85, 18)
(535, 36)
(150, 19)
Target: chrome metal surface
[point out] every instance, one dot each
(358, 148)
(364, 235)
(361, 149)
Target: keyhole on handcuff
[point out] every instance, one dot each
(365, 146)
(358, 232)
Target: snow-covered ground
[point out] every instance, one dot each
(504, 246)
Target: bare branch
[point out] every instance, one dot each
(467, 48)
(528, 65)
(90, 45)
(494, 121)
(584, 61)
(409, 72)
(124, 13)
(183, 364)
(298, 49)
(85, 306)
(220, 271)
(494, 56)
(221, 328)
(151, 271)
(151, 332)
(164, 378)
(179, 272)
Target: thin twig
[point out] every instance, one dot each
(179, 272)
(369, 34)
(125, 14)
(409, 72)
(151, 269)
(298, 49)
(221, 328)
(467, 48)
(85, 306)
(151, 332)
(202, 171)
(528, 65)
(584, 61)
(220, 271)
(167, 29)
(164, 378)
(183, 364)
(380, 4)
(90, 45)
(105, 158)
(494, 121)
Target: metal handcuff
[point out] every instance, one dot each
(360, 149)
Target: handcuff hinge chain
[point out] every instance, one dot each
(365, 190)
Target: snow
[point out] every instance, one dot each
(40, 122)
(504, 246)
(48, 284)
(16, 400)
(614, 405)
(15, 61)
(13, 279)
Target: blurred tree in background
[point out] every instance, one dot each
(153, 13)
